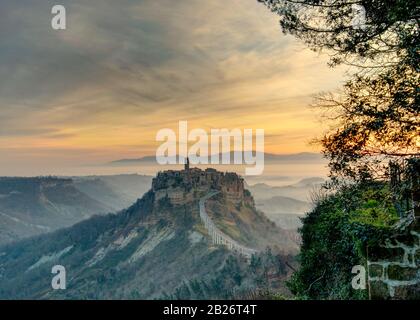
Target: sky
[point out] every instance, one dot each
(122, 70)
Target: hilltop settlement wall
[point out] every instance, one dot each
(184, 186)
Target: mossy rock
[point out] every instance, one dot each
(380, 253)
(417, 258)
(375, 271)
(379, 290)
(407, 292)
(396, 272)
(407, 239)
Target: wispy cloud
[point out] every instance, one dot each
(124, 69)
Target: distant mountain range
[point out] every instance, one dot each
(268, 157)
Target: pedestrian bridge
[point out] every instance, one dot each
(217, 236)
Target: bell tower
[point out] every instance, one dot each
(187, 165)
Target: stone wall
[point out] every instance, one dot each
(393, 268)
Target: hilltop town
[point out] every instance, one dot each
(186, 185)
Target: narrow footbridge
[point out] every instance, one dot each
(217, 236)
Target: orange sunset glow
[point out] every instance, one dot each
(100, 91)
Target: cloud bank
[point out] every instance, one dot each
(125, 69)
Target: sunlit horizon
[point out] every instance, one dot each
(99, 91)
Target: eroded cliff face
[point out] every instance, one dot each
(231, 209)
(181, 187)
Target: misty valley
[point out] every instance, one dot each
(210, 150)
(135, 236)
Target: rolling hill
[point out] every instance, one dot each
(31, 206)
(156, 248)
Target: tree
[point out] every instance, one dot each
(386, 34)
(375, 118)
(375, 131)
(376, 122)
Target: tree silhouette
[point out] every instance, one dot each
(375, 118)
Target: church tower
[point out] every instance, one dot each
(187, 164)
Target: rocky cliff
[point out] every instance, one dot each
(184, 186)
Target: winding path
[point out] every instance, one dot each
(217, 236)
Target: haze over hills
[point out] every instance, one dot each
(285, 205)
(116, 191)
(299, 191)
(31, 206)
(268, 157)
(156, 248)
(281, 205)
